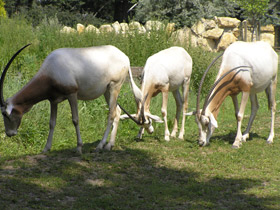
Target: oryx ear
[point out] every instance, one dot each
(213, 121)
(190, 113)
(154, 118)
(125, 116)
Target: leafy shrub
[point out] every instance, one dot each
(201, 60)
(2, 9)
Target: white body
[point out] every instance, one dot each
(73, 73)
(165, 71)
(261, 75)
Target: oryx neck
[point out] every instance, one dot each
(33, 92)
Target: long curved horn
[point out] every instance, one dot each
(201, 83)
(141, 113)
(2, 101)
(207, 101)
(136, 121)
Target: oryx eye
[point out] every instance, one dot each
(205, 121)
(148, 121)
(5, 114)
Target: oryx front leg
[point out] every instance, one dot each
(237, 142)
(75, 119)
(52, 126)
(164, 114)
(140, 133)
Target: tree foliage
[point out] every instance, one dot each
(181, 12)
(2, 9)
(253, 9)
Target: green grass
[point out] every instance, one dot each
(146, 174)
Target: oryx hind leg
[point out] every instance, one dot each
(271, 94)
(185, 89)
(111, 96)
(73, 101)
(254, 109)
(164, 112)
(179, 104)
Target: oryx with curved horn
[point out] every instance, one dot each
(72, 74)
(165, 71)
(248, 68)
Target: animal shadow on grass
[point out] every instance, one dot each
(125, 179)
(230, 137)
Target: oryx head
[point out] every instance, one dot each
(11, 115)
(204, 118)
(142, 118)
(206, 126)
(206, 122)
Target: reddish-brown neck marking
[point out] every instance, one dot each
(231, 85)
(36, 90)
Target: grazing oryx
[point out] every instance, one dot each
(248, 68)
(72, 74)
(164, 71)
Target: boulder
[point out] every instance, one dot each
(198, 28)
(106, 28)
(227, 22)
(226, 40)
(182, 36)
(67, 30)
(124, 27)
(267, 28)
(154, 25)
(268, 37)
(136, 27)
(80, 28)
(170, 28)
(236, 32)
(207, 44)
(209, 24)
(92, 28)
(215, 33)
(117, 27)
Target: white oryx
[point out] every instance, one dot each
(165, 71)
(72, 74)
(248, 68)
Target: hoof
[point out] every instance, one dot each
(99, 148)
(173, 135)
(202, 144)
(235, 146)
(45, 150)
(166, 138)
(269, 142)
(244, 138)
(79, 150)
(108, 147)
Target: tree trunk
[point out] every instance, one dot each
(121, 7)
(29, 4)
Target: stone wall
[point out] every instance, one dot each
(212, 34)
